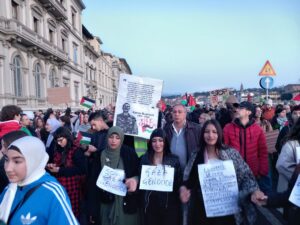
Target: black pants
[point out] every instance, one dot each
(156, 214)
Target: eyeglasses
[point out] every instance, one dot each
(59, 140)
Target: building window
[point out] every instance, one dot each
(75, 53)
(91, 74)
(86, 73)
(14, 7)
(52, 76)
(76, 89)
(37, 79)
(63, 44)
(17, 76)
(73, 19)
(51, 36)
(35, 24)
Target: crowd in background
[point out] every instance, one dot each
(261, 140)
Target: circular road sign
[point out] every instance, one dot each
(266, 82)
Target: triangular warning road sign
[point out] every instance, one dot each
(267, 70)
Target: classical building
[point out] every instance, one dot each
(43, 44)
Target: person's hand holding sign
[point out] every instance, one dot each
(131, 184)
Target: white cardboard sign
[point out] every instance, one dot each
(295, 194)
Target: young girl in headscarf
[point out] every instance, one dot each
(33, 196)
(109, 208)
(51, 126)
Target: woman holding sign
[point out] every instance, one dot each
(109, 203)
(160, 207)
(228, 189)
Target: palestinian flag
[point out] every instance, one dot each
(87, 102)
(84, 138)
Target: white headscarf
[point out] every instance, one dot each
(36, 159)
(54, 124)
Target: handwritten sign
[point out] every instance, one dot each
(295, 194)
(111, 180)
(157, 178)
(219, 188)
(298, 154)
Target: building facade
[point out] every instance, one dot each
(44, 45)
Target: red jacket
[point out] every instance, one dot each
(250, 141)
(8, 126)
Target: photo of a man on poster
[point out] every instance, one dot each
(126, 121)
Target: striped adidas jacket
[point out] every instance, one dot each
(49, 204)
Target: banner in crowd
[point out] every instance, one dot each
(295, 194)
(157, 178)
(219, 188)
(219, 95)
(58, 95)
(136, 108)
(112, 180)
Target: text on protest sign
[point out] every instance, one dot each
(295, 194)
(219, 188)
(112, 180)
(136, 112)
(157, 178)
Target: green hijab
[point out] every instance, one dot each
(112, 156)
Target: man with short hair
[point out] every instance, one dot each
(247, 137)
(182, 135)
(25, 123)
(98, 142)
(9, 119)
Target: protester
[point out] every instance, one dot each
(85, 125)
(25, 123)
(285, 130)
(212, 148)
(32, 195)
(9, 119)
(279, 120)
(203, 117)
(244, 135)
(106, 208)
(281, 199)
(40, 129)
(51, 126)
(161, 207)
(268, 110)
(182, 135)
(6, 140)
(287, 160)
(69, 166)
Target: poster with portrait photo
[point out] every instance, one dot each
(136, 112)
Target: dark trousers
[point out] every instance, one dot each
(162, 215)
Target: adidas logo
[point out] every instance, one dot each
(27, 220)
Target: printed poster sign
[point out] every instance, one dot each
(295, 194)
(157, 178)
(136, 112)
(112, 180)
(219, 188)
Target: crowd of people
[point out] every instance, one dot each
(48, 176)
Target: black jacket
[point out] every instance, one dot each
(131, 167)
(165, 199)
(192, 135)
(278, 200)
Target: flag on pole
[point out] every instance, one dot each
(87, 102)
(84, 138)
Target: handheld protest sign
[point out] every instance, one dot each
(295, 194)
(111, 180)
(157, 178)
(219, 188)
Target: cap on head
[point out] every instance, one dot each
(246, 105)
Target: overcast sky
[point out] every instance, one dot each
(200, 45)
